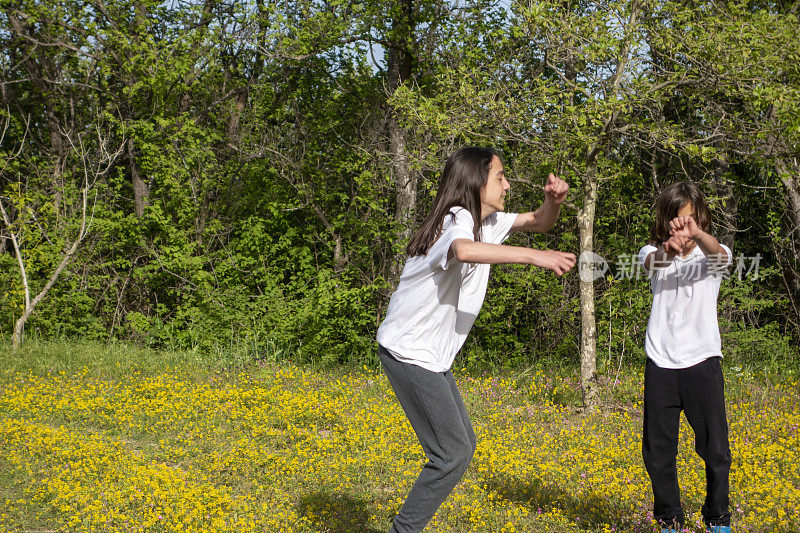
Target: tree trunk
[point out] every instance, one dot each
(30, 305)
(339, 257)
(654, 162)
(19, 325)
(789, 173)
(236, 115)
(589, 386)
(141, 191)
(57, 151)
(49, 97)
(19, 331)
(730, 204)
(405, 180)
(405, 183)
(16, 338)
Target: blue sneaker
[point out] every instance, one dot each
(718, 529)
(669, 530)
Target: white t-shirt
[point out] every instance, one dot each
(683, 328)
(437, 301)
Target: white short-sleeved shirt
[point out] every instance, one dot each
(683, 328)
(437, 300)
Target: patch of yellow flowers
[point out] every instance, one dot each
(286, 448)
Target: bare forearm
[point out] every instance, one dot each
(710, 246)
(546, 215)
(683, 227)
(658, 259)
(541, 221)
(478, 252)
(482, 252)
(663, 256)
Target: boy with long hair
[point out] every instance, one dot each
(438, 297)
(683, 370)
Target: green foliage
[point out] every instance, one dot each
(259, 133)
(622, 313)
(337, 323)
(528, 316)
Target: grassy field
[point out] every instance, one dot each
(119, 439)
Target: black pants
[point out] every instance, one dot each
(433, 404)
(699, 392)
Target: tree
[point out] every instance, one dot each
(27, 215)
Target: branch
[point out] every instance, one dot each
(18, 253)
(6, 218)
(66, 259)
(569, 82)
(622, 62)
(16, 26)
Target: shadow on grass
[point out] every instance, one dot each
(336, 513)
(586, 510)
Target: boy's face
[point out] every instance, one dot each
(493, 194)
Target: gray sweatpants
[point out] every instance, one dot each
(434, 407)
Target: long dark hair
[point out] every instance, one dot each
(670, 201)
(465, 173)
